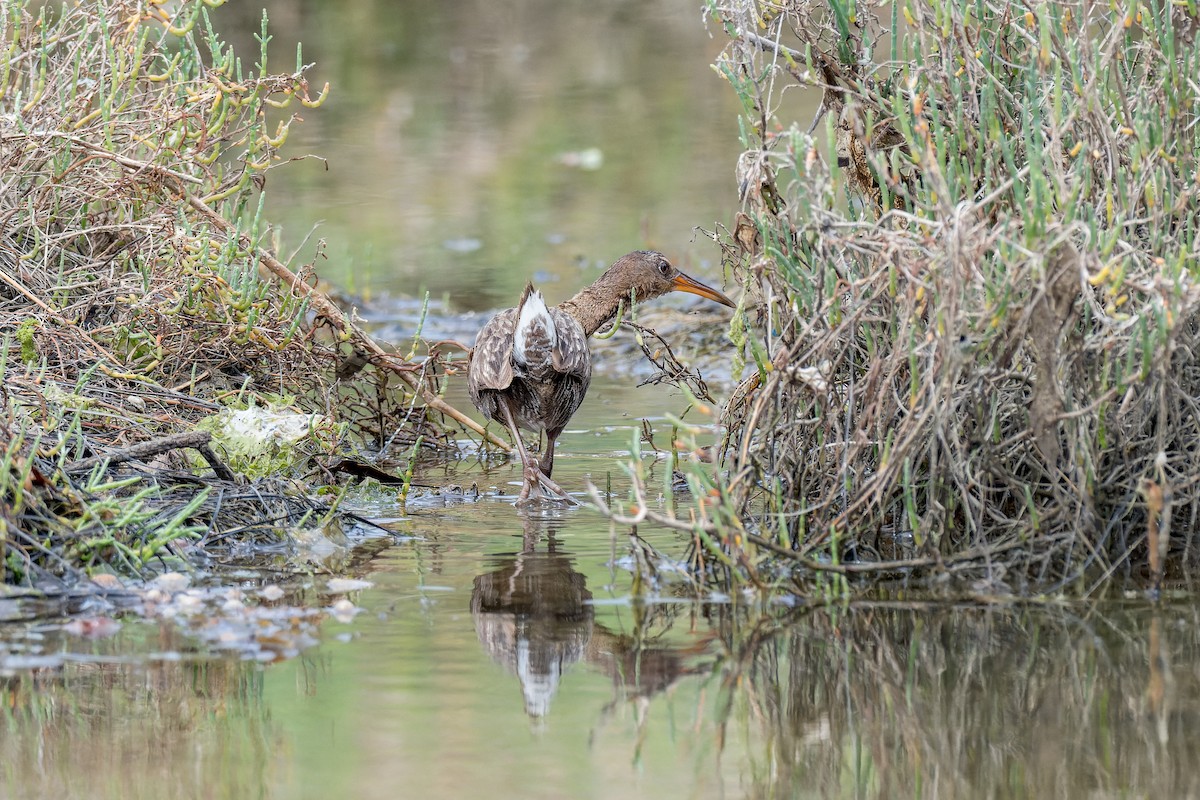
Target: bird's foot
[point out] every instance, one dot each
(538, 486)
(552, 491)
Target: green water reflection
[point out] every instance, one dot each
(431, 696)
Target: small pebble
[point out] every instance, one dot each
(172, 582)
(106, 581)
(344, 611)
(188, 603)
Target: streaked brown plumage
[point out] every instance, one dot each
(531, 366)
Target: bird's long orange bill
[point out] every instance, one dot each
(683, 283)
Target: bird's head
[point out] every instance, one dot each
(649, 274)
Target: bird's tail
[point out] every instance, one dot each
(535, 337)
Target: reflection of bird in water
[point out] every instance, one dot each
(534, 615)
(531, 365)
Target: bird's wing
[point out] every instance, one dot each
(491, 366)
(571, 353)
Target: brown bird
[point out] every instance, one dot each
(531, 365)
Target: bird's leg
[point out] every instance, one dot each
(531, 472)
(546, 463)
(527, 484)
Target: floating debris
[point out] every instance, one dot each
(92, 627)
(344, 585)
(248, 623)
(589, 159)
(344, 611)
(464, 244)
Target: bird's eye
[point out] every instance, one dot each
(664, 267)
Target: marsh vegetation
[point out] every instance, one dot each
(971, 309)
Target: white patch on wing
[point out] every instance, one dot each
(534, 321)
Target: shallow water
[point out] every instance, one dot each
(510, 654)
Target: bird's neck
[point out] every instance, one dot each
(596, 305)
